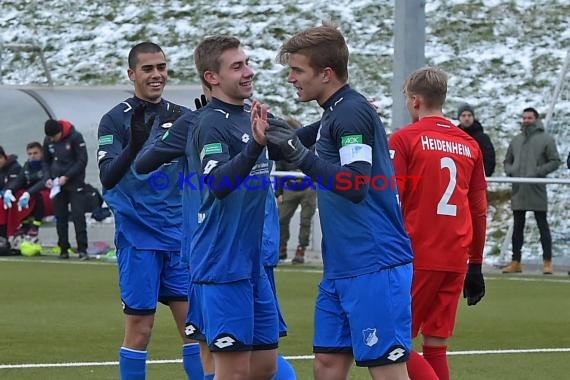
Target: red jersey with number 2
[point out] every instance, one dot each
(441, 164)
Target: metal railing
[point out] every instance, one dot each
(30, 48)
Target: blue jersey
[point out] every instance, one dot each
(173, 144)
(270, 243)
(146, 217)
(368, 235)
(226, 245)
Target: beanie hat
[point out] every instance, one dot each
(465, 107)
(52, 127)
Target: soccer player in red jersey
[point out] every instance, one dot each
(444, 214)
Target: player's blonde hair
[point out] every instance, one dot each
(430, 83)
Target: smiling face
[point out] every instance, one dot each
(307, 81)
(233, 83)
(149, 76)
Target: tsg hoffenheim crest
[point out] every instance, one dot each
(370, 338)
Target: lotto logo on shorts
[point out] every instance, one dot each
(189, 330)
(396, 354)
(370, 338)
(224, 342)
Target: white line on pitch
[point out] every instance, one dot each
(298, 357)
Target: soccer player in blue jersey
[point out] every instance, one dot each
(363, 306)
(147, 221)
(234, 304)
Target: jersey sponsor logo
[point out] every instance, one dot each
(245, 138)
(105, 140)
(396, 354)
(370, 338)
(392, 154)
(350, 139)
(213, 148)
(224, 342)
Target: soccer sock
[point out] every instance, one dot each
(209, 377)
(191, 361)
(419, 368)
(437, 358)
(284, 370)
(132, 364)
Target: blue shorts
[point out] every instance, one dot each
(194, 321)
(147, 277)
(271, 278)
(235, 316)
(367, 315)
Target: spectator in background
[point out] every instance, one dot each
(9, 169)
(532, 153)
(472, 126)
(290, 194)
(29, 192)
(64, 163)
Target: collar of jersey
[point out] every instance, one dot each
(331, 102)
(217, 103)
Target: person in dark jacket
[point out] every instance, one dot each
(472, 126)
(531, 153)
(65, 160)
(27, 190)
(9, 168)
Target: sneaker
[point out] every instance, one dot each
(513, 267)
(547, 267)
(63, 256)
(83, 256)
(298, 260)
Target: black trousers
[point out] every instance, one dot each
(518, 234)
(61, 204)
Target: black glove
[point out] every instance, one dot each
(281, 134)
(169, 116)
(139, 129)
(474, 285)
(200, 102)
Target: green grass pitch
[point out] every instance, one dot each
(53, 312)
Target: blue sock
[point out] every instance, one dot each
(191, 361)
(284, 370)
(209, 377)
(132, 364)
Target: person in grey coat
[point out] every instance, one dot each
(531, 153)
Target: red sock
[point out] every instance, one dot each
(419, 368)
(436, 356)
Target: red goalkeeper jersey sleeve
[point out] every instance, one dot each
(439, 165)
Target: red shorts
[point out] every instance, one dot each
(435, 296)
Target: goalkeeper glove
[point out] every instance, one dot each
(474, 285)
(8, 198)
(200, 102)
(139, 129)
(281, 134)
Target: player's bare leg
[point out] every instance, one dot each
(137, 331)
(232, 365)
(396, 371)
(263, 364)
(332, 366)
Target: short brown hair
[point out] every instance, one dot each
(207, 54)
(324, 46)
(430, 83)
